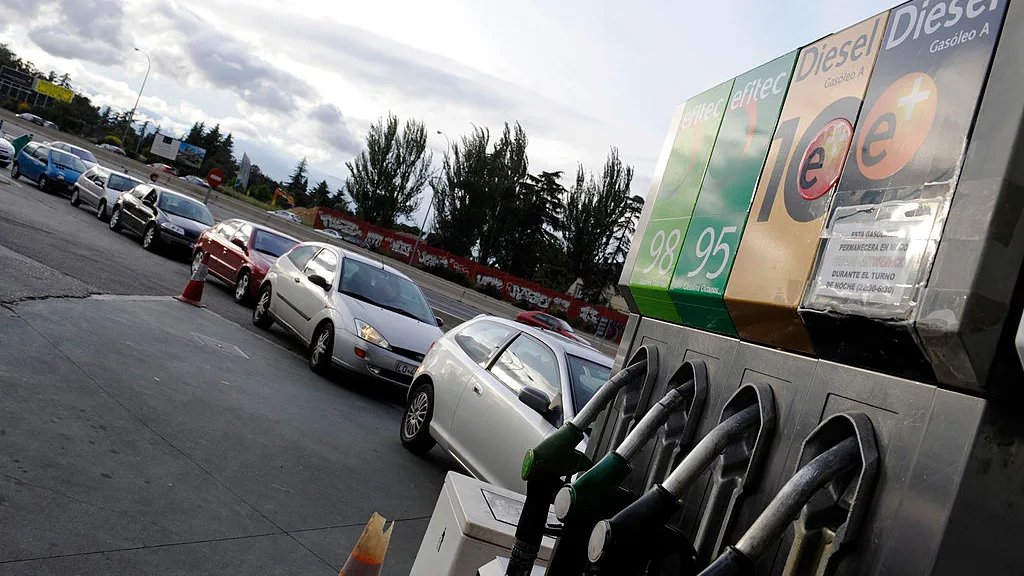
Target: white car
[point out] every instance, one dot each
(329, 232)
(6, 152)
(350, 311)
(287, 216)
(492, 388)
(99, 188)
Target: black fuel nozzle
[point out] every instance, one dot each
(625, 543)
(597, 494)
(840, 454)
(549, 465)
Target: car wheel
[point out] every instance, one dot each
(322, 349)
(261, 317)
(242, 287)
(415, 430)
(42, 183)
(15, 171)
(115, 219)
(75, 198)
(101, 210)
(149, 240)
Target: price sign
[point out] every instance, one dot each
(705, 261)
(657, 252)
(807, 154)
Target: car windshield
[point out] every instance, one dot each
(84, 155)
(370, 283)
(185, 208)
(122, 183)
(586, 378)
(272, 244)
(67, 161)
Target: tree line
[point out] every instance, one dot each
(489, 206)
(486, 202)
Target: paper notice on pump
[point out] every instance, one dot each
(873, 261)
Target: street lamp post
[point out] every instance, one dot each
(131, 115)
(416, 246)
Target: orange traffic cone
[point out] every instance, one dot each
(367, 557)
(193, 292)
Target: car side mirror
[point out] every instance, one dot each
(535, 399)
(439, 320)
(320, 281)
(238, 242)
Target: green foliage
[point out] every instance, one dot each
(111, 139)
(298, 183)
(593, 212)
(462, 194)
(321, 194)
(386, 179)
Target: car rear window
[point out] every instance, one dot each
(67, 161)
(270, 243)
(122, 183)
(84, 155)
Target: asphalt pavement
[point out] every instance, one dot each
(141, 435)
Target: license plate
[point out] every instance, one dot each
(403, 368)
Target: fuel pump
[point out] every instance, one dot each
(597, 493)
(548, 466)
(827, 496)
(637, 538)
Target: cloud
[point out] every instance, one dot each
(331, 126)
(91, 30)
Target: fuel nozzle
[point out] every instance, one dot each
(832, 483)
(597, 493)
(549, 465)
(637, 535)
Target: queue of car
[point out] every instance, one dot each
(485, 392)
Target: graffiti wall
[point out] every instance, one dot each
(604, 322)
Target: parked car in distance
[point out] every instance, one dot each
(31, 118)
(50, 125)
(546, 321)
(354, 241)
(329, 232)
(82, 153)
(99, 188)
(112, 148)
(350, 311)
(195, 180)
(50, 169)
(287, 216)
(163, 168)
(161, 217)
(6, 153)
(241, 253)
(491, 389)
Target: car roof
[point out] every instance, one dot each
(68, 144)
(163, 190)
(554, 340)
(361, 259)
(264, 228)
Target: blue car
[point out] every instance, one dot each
(50, 169)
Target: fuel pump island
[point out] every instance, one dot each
(821, 373)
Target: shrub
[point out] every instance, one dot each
(490, 290)
(450, 275)
(111, 139)
(23, 107)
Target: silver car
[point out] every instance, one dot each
(6, 152)
(491, 389)
(350, 311)
(99, 188)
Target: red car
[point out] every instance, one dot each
(241, 253)
(546, 321)
(163, 168)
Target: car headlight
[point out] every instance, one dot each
(371, 335)
(173, 228)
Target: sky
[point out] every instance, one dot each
(308, 77)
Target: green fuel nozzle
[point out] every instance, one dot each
(547, 466)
